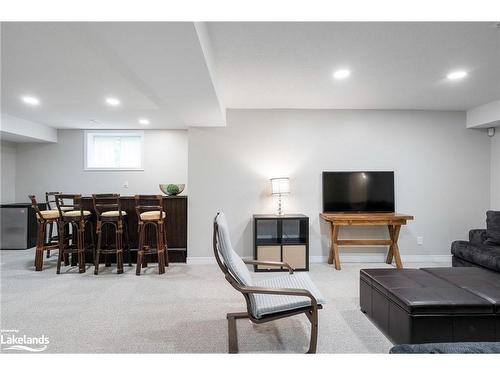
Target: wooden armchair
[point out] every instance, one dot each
(266, 300)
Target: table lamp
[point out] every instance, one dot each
(280, 187)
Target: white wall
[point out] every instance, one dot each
(8, 172)
(442, 172)
(60, 166)
(495, 170)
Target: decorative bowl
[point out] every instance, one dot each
(172, 189)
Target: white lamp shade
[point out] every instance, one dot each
(280, 185)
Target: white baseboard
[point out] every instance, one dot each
(380, 258)
(200, 260)
(347, 258)
(205, 260)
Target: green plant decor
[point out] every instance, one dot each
(173, 189)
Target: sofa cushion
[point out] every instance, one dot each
(477, 236)
(493, 228)
(483, 255)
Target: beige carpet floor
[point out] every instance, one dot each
(182, 311)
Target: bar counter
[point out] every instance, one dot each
(176, 224)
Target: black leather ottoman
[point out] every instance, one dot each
(414, 306)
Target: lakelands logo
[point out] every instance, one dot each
(12, 340)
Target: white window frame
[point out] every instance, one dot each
(139, 133)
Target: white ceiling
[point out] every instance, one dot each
(173, 75)
(157, 70)
(394, 65)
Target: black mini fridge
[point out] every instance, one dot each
(18, 226)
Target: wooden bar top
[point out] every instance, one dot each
(133, 197)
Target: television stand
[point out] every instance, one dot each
(392, 220)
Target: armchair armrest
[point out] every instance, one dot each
(477, 236)
(281, 291)
(269, 263)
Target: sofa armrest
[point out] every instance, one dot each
(477, 236)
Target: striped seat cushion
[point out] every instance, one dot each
(263, 304)
(232, 260)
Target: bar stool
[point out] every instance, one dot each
(73, 215)
(150, 213)
(109, 214)
(50, 202)
(44, 218)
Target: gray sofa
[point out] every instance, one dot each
(448, 348)
(483, 247)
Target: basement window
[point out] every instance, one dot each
(114, 150)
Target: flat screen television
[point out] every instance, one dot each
(358, 191)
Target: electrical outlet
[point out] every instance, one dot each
(125, 184)
(420, 240)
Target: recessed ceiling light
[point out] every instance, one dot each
(31, 100)
(456, 75)
(143, 121)
(114, 102)
(342, 74)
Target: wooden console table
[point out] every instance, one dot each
(393, 221)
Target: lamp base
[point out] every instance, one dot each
(280, 210)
